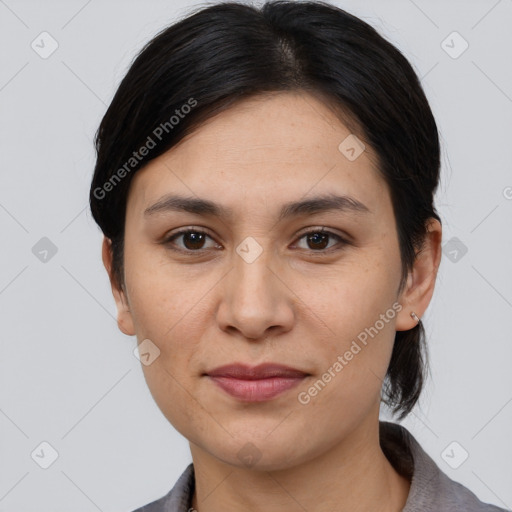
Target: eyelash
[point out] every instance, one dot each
(168, 242)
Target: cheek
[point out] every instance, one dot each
(161, 295)
(354, 313)
(171, 392)
(351, 296)
(170, 306)
(171, 320)
(348, 384)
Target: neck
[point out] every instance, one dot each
(354, 475)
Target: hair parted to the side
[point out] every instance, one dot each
(231, 51)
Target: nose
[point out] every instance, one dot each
(255, 300)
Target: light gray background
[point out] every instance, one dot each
(69, 377)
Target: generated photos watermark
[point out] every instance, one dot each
(304, 397)
(137, 156)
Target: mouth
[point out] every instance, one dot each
(258, 383)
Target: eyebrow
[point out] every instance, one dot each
(205, 207)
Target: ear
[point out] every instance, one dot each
(421, 280)
(124, 316)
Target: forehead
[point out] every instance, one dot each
(269, 149)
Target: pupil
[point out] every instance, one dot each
(318, 238)
(193, 240)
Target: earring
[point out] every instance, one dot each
(415, 317)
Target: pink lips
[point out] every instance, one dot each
(258, 383)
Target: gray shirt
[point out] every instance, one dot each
(431, 489)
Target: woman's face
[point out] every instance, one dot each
(256, 288)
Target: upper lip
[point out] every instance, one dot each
(262, 371)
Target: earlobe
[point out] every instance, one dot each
(124, 316)
(421, 280)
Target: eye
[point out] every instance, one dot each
(320, 239)
(192, 240)
(195, 240)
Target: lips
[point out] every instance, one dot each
(257, 383)
(262, 371)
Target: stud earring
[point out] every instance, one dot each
(415, 317)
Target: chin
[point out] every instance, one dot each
(248, 453)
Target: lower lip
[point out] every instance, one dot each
(256, 390)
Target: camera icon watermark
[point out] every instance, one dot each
(44, 250)
(455, 249)
(351, 147)
(44, 45)
(454, 45)
(44, 455)
(454, 455)
(146, 352)
(249, 455)
(249, 250)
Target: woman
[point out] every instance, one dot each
(265, 182)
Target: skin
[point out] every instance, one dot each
(291, 306)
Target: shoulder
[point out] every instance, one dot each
(456, 497)
(178, 499)
(431, 489)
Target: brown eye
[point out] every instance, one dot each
(192, 240)
(320, 240)
(317, 240)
